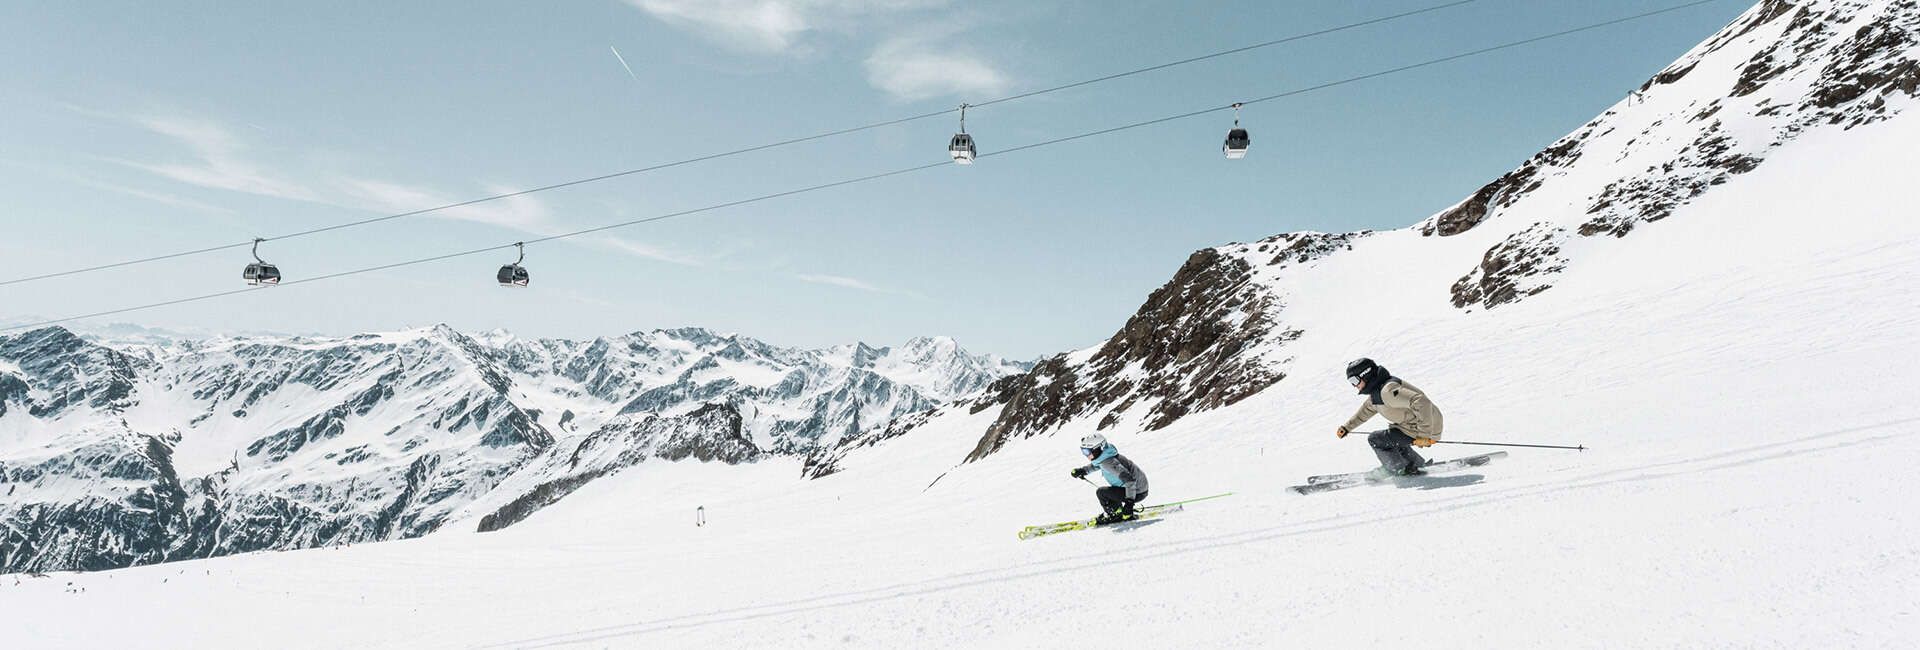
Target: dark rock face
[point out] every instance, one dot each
(1874, 62)
(840, 391)
(73, 372)
(825, 461)
(1303, 247)
(541, 496)
(713, 433)
(1499, 279)
(1206, 339)
(1627, 203)
(1182, 352)
(97, 532)
(1507, 189)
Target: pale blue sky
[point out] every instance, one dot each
(133, 128)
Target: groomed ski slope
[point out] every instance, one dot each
(1743, 372)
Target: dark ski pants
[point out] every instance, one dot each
(1113, 498)
(1395, 450)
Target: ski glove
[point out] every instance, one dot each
(1079, 472)
(1423, 442)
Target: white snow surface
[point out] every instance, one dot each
(1739, 371)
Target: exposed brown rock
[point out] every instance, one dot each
(1182, 352)
(1507, 189)
(1868, 65)
(1497, 280)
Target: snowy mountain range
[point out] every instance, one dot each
(114, 454)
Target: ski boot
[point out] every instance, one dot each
(1117, 516)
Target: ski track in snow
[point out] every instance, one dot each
(1175, 549)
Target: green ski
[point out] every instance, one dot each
(1146, 512)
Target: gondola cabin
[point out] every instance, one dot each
(962, 148)
(1236, 144)
(261, 273)
(513, 275)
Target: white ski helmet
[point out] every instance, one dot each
(1093, 444)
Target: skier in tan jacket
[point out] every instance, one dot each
(1413, 420)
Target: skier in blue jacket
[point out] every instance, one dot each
(1126, 484)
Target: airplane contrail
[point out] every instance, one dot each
(623, 63)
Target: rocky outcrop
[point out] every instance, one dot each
(1503, 192)
(1185, 350)
(711, 434)
(69, 372)
(1513, 269)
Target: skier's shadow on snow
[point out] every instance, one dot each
(1437, 482)
(1130, 526)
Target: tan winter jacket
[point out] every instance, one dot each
(1406, 407)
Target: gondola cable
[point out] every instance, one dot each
(742, 151)
(881, 175)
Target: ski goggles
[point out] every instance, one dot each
(1090, 452)
(1356, 380)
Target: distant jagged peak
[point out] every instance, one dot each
(934, 343)
(497, 337)
(696, 335)
(859, 354)
(55, 344)
(51, 334)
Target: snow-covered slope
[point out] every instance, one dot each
(141, 452)
(1736, 367)
(1233, 319)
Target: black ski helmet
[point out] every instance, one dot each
(1361, 372)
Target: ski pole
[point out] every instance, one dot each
(1509, 444)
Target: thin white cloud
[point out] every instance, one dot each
(222, 162)
(649, 251)
(586, 298)
(87, 181)
(224, 166)
(923, 61)
(156, 197)
(853, 283)
(920, 67)
(773, 26)
(838, 281)
(524, 213)
(754, 25)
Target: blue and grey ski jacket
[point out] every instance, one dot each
(1120, 472)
